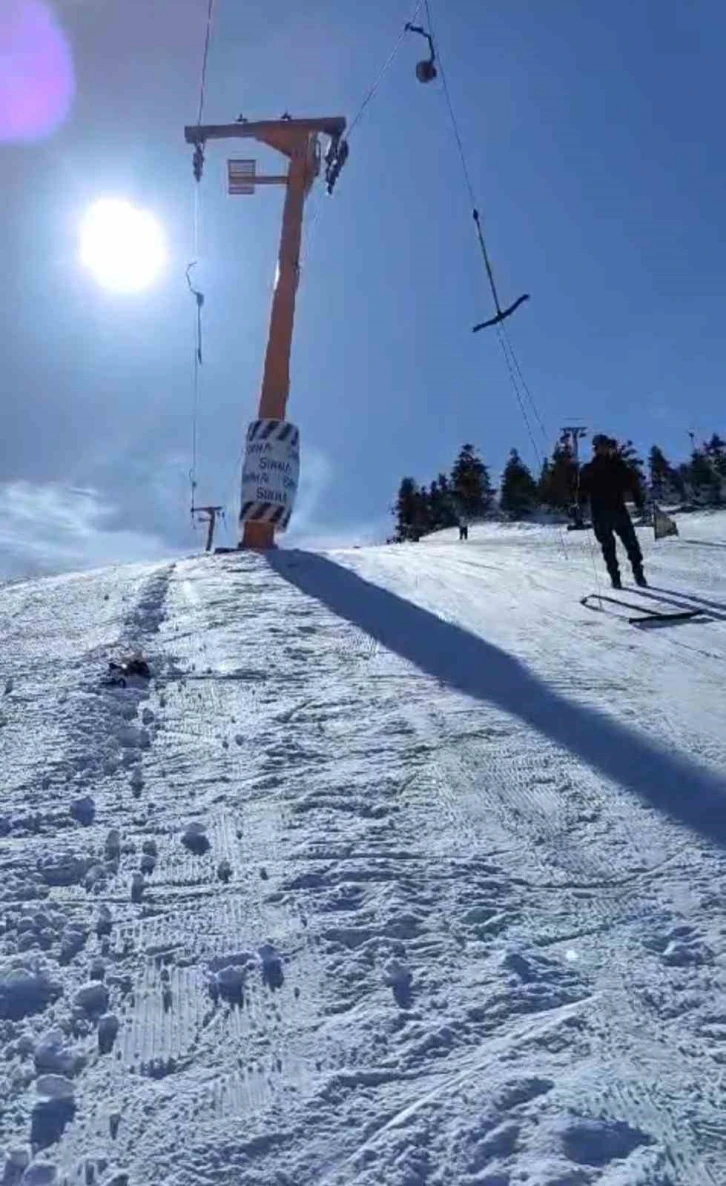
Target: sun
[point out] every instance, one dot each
(123, 247)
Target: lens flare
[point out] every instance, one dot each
(36, 71)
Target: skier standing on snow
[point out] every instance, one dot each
(605, 482)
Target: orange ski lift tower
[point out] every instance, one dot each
(271, 466)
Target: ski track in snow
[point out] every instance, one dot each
(302, 913)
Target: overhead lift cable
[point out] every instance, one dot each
(500, 313)
(519, 386)
(198, 166)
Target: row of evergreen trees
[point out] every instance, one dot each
(467, 492)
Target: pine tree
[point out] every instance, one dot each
(703, 478)
(434, 501)
(544, 482)
(659, 471)
(441, 508)
(444, 487)
(406, 510)
(470, 484)
(518, 493)
(684, 477)
(716, 452)
(558, 481)
(423, 518)
(666, 484)
(448, 501)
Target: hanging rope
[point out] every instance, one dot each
(501, 313)
(199, 298)
(425, 70)
(510, 357)
(520, 388)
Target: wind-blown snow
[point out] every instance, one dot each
(406, 869)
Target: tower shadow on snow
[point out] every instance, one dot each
(670, 782)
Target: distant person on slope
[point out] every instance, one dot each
(605, 482)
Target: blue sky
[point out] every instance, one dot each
(595, 141)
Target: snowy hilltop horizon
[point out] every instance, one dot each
(404, 867)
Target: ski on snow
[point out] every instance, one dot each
(653, 614)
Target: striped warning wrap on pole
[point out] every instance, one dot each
(265, 512)
(270, 473)
(274, 430)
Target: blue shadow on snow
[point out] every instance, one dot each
(670, 782)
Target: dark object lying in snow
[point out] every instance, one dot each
(119, 673)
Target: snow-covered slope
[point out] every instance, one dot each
(451, 910)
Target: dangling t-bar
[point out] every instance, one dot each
(501, 313)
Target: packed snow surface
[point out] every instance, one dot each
(404, 869)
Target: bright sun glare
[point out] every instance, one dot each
(123, 247)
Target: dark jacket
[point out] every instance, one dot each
(605, 482)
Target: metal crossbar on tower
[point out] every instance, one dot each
(209, 516)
